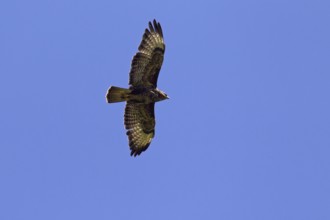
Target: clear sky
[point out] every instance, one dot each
(245, 135)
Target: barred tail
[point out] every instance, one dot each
(116, 94)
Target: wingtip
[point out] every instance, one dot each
(158, 27)
(135, 153)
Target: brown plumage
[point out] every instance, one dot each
(139, 118)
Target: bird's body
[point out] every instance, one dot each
(146, 96)
(139, 118)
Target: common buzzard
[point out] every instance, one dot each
(139, 118)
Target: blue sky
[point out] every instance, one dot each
(245, 134)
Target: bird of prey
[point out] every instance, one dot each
(140, 97)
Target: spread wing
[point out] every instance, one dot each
(140, 125)
(147, 62)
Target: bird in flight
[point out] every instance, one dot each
(140, 97)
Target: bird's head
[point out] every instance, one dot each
(162, 95)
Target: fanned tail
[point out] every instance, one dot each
(117, 94)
